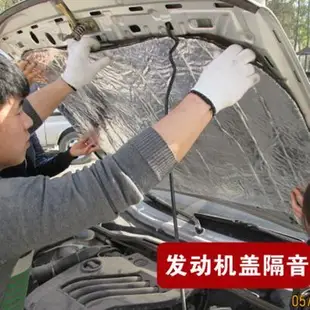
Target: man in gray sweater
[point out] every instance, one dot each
(37, 211)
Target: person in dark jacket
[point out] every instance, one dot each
(44, 163)
(37, 161)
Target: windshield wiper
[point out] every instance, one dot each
(191, 218)
(246, 225)
(196, 219)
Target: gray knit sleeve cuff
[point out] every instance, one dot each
(146, 159)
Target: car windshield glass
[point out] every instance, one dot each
(253, 153)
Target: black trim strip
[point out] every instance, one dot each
(243, 4)
(31, 112)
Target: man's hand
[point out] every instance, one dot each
(32, 71)
(85, 146)
(297, 203)
(228, 77)
(79, 70)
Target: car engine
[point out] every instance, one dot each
(94, 271)
(87, 273)
(105, 282)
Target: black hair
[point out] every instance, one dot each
(13, 82)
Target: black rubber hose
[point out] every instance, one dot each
(43, 273)
(169, 28)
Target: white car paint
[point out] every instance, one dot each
(50, 131)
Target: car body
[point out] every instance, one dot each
(53, 130)
(243, 166)
(56, 134)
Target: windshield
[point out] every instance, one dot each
(253, 153)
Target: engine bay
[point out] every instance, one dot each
(86, 273)
(91, 271)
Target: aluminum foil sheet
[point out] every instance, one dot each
(253, 153)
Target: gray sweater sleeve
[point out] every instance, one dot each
(37, 211)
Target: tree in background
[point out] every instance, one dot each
(294, 18)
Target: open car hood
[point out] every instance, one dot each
(253, 153)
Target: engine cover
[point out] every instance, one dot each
(99, 283)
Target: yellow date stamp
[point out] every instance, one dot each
(300, 301)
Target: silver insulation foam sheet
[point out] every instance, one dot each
(253, 153)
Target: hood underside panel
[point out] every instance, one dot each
(253, 153)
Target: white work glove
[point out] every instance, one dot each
(228, 77)
(79, 70)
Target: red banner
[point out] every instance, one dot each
(233, 265)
